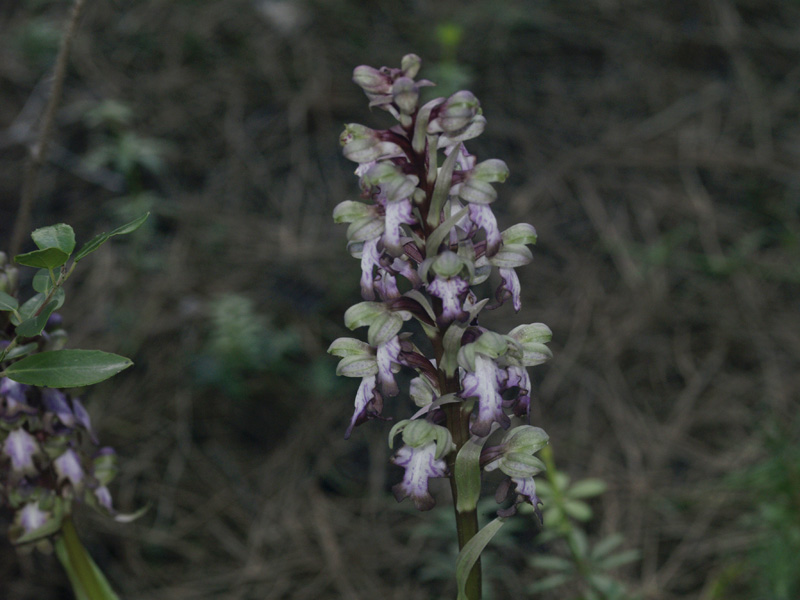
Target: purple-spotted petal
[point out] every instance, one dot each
(483, 218)
(386, 285)
(68, 466)
(370, 258)
(448, 291)
(420, 465)
(404, 268)
(526, 486)
(21, 447)
(485, 384)
(104, 498)
(510, 288)
(83, 419)
(55, 402)
(397, 213)
(366, 396)
(388, 360)
(13, 401)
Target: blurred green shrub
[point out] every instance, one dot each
(769, 570)
(241, 342)
(571, 563)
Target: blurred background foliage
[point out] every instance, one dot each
(654, 145)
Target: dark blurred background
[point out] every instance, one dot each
(654, 145)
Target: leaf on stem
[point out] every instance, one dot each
(471, 552)
(100, 239)
(67, 368)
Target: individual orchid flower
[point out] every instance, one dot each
(68, 467)
(422, 456)
(397, 213)
(21, 447)
(484, 383)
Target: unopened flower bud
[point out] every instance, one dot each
(362, 144)
(457, 112)
(410, 65)
(405, 95)
(372, 81)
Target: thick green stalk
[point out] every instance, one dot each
(79, 563)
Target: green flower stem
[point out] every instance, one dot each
(78, 562)
(466, 522)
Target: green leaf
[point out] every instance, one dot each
(578, 509)
(551, 563)
(20, 351)
(49, 258)
(8, 302)
(606, 545)
(617, 560)
(67, 368)
(59, 236)
(468, 474)
(442, 187)
(549, 583)
(471, 552)
(42, 282)
(33, 326)
(102, 238)
(587, 488)
(88, 581)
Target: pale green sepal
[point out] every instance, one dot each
(345, 346)
(350, 210)
(366, 228)
(452, 344)
(518, 464)
(384, 328)
(59, 236)
(493, 170)
(421, 126)
(437, 237)
(363, 314)
(476, 191)
(467, 474)
(521, 233)
(511, 256)
(442, 187)
(491, 344)
(532, 332)
(448, 264)
(357, 366)
(471, 552)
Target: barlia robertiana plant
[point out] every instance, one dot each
(50, 457)
(427, 240)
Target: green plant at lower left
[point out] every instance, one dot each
(50, 456)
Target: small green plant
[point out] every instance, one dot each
(51, 458)
(572, 562)
(769, 568)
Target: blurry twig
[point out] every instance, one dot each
(39, 150)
